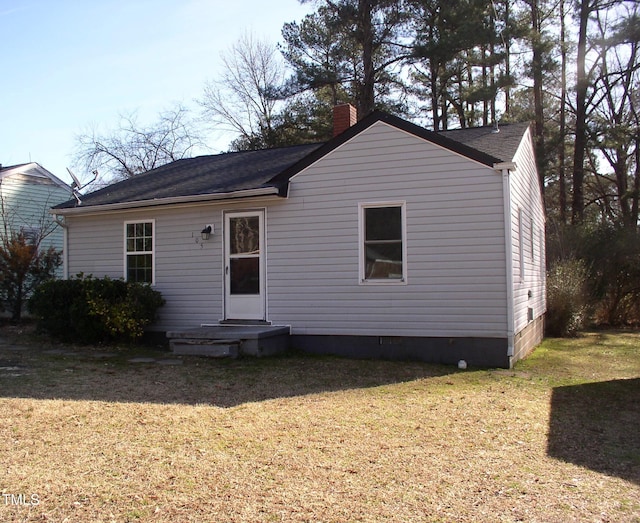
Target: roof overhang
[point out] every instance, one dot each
(37, 171)
(175, 200)
(505, 166)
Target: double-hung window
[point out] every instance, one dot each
(383, 242)
(139, 251)
(521, 241)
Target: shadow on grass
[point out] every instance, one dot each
(87, 375)
(597, 426)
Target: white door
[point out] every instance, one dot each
(244, 266)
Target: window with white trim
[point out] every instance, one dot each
(521, 243)
(543, 267)
(383, 242)
(139, 251)
(531, 241)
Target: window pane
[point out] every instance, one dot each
(140, 237)
(383, 260)
(383, 223)
(244, 235)
(139, 268)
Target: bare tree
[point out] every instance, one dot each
(586, 7)
(247, 97)
(14, 216)
(613, 121)
(24, 262)
(132, 148)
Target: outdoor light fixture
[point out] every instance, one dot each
(206, 232)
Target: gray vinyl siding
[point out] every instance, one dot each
(456, 284)
(455, 243)
(526, 198)
(188, 271)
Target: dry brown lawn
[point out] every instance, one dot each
(89, 437)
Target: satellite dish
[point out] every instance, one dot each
(75, 179)
(76, 186)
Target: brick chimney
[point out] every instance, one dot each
(344, 116)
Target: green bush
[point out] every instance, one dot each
(566, 297)
(91, 310)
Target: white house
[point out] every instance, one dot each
(387, 241)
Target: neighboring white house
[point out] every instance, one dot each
(27, 192)
(388, 241)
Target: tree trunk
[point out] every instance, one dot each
(562, 184)
(507, 58)
(16, 312)
(636, 186)
(367, 96)
(582, 84)
(538, 102)
(435, 102)
(485, 105)
(492, 69)
(620, 169)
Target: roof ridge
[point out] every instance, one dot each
(234, 171)
(488, 126)
(3, 167)
(254, 150)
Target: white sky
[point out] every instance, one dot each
(67, 65)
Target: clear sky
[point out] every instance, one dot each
(67, 65)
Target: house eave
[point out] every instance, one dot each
(157, 202)
(34, 170)
(503, 167)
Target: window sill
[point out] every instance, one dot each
(383, 283)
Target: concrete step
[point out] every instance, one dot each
(248, 340)
(219, 348)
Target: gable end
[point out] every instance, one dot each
(281, 180)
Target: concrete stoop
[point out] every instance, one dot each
(230, 341)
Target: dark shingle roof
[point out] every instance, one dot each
(502, 144)
(8, 167)
(220, 173)
(231, 172)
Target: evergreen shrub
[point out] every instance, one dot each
(93, 310)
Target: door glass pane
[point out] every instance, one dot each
(245, 276)
(244, 235)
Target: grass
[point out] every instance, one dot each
(96, 438)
